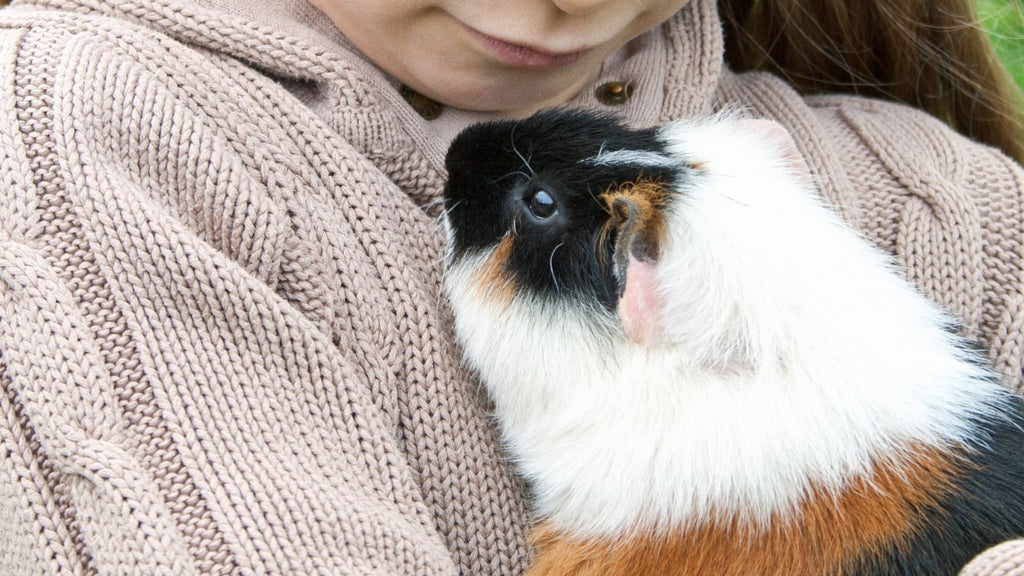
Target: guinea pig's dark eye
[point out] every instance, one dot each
(542, 205)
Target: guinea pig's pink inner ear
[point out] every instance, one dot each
(639, 309)
(636, 214)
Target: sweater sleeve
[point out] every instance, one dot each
(176, 396)
(1006, 559)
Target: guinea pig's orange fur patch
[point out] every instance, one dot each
(828, 536)
(649, 197)
(493, 281)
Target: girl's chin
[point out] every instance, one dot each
(512, 101)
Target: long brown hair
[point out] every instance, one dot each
(931, 54)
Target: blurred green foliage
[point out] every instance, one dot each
(1004, 22)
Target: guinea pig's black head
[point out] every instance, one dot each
(538, 193)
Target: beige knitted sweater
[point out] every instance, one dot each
(222, 345)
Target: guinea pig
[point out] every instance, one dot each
(701, 370)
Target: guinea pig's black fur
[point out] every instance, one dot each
(530, 175)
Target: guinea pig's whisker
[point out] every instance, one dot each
(732, 198)
(440, 261)
(509, 175)
(445, 212)
(448, 211)
(429, 206)
(551, 265)
(525, 160)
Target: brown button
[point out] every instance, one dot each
(613, 93)
(425, 107)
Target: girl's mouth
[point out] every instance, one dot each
(525, 56)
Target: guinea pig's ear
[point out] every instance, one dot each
(637, 218)
(779, 139)
(632, 219)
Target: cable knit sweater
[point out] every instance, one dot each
(222, 344)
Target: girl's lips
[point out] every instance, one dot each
(524, 56)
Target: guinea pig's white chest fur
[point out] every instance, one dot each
(788, 381)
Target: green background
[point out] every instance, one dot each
(1004, 22)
